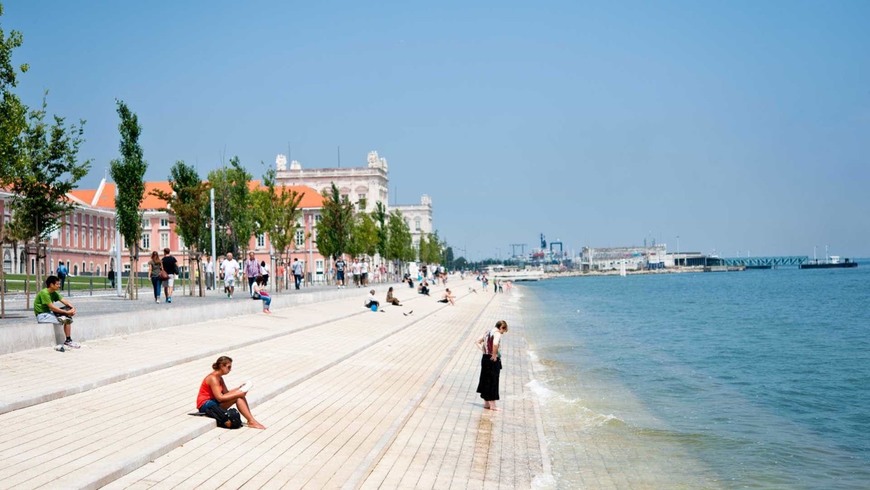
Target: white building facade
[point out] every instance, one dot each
(363, 186)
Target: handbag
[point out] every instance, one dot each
(163, 275)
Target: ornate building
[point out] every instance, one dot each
(363, 186)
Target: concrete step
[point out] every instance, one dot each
(127, 407)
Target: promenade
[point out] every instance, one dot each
(350, 398)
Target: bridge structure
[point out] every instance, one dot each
(785, 261)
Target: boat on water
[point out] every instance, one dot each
(833, 262)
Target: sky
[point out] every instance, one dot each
(732, 128)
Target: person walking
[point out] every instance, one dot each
(170, 266)
(209, 272)
(62, 272)
(230, 269)
(252, 270)
(490, 364)
(298, 271)
(340, 266)
(155, 266)
(264, 271)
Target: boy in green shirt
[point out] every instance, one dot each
(46, 311)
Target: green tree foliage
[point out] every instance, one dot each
(423, 248)
(399, 244)
(48, 168)
(13, 113)
(128, 173)
(234, 216)
(189, 204)
(380, 217)
(364, 236)
(336, 224)
(435, 253)
(448, 257)
(277, 212)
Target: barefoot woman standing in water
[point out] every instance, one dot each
(490, 364)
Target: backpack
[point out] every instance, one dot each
(227, 419)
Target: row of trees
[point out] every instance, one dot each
(39, 165)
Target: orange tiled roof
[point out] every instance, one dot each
(310, 199)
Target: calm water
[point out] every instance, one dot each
(755, 379)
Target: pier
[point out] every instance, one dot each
(762, 262)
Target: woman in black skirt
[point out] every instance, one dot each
(490, 364)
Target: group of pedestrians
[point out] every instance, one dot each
(163, 272)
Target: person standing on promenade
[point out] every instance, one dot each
(230, 269)
(155, 266)
(355, 269)
(298, 271)
(213, 391)
(264, 271)
(62, 272)
(490, 364)
(209, 272)
(252, 270)
(364, 273)
(170, 265)
(47, 312)
(340, 266)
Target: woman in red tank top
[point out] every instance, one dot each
(214, 390)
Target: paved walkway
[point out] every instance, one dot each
(351, 399)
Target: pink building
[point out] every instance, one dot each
(86, 240)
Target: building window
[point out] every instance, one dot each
(91, 242)
(146, 241)
(417, 224)
(66, 233)
(300, 238)
(164, 223)
(261, 240)
(76, 237)
(180, 243)
(164, 240)
(146, 224)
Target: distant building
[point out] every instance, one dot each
(634, 258)
(363, 186)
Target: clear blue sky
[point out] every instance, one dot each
(737, 126)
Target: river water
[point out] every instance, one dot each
(754, 379)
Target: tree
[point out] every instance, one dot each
(276, 210)
(46, 171)
(364, 236)
(448, 257)
(336, 224)
(188, 203)
(380, 217)
(13, 121)
(423, 248)
(435, 249)
(234, 218)
(399, 244)
(128, 173)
